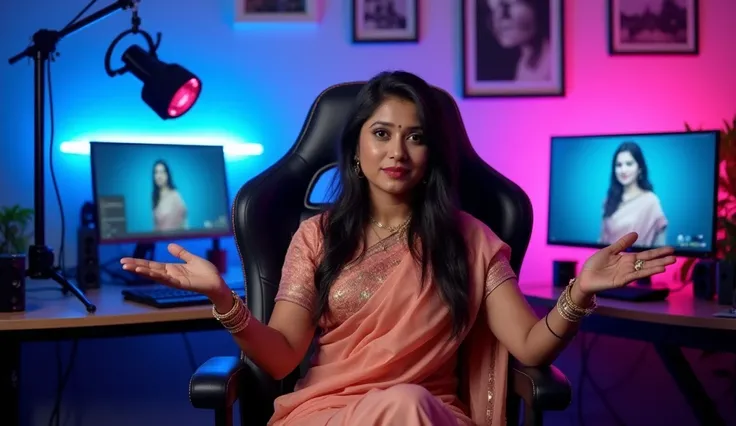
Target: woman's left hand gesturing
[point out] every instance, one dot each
(612, 268)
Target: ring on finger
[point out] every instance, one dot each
(638, 265)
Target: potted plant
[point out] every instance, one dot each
(15, 235)
(726, 221)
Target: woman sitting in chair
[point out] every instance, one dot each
(396, 279)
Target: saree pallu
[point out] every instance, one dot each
(388, 355)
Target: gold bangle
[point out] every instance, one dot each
(580, 309)
(570, 311)
(237, 318)
(566, 314)
(237, 328)
(231, 313)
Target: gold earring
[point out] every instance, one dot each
(357, 169)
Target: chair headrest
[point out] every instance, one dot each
(269, 207)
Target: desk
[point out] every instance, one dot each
(680, 321)
(64, 317)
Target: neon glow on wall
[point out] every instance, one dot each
(234, 148)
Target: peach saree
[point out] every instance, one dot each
(386, 355)
(643, 215)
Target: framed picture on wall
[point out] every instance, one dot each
(385, 21)
(276, 10)
(653, 26)
(513, 49)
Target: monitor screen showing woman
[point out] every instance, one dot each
(169, 208)
(159, 191)
(661, 186)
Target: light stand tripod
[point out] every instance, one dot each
(40, 256)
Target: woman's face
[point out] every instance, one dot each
(391, 149)
(513, 22)
(626, 168)
(160, 176)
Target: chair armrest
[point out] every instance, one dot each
(215, 383)
(542, 388)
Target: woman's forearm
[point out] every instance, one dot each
(551, 334)
(267, 347)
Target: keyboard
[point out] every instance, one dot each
(636, 294)
(163, 297)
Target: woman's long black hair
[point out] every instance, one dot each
(156, 195)
(435, 223)
(615, 189)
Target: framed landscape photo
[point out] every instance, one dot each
(276, 10)
(385, 20)
(513, 49)
(653, 26)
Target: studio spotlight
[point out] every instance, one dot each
(169, 89)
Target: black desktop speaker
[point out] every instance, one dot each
(725, 282)
(715, 278)
(12, 283)
(563, 271)
(704, 279)
(88, 253)
(88, 262)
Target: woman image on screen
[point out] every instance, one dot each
(631, 204)
(523, 27)
(169, 209)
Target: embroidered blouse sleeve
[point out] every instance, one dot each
(499, 271)
(297, 275)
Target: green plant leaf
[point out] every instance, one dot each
(14, 225)
(726, 205)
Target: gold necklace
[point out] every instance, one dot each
(391, 229)
(381, 241)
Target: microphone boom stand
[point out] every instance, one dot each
(41, 256)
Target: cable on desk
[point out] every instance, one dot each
(62, 376)
(57, 192)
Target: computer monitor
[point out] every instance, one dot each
(661, 185)
(145, 193)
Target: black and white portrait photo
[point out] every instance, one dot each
(513, 48)
(275, 10)
(385, 20)
(653, 26)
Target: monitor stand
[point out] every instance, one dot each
(217, 256)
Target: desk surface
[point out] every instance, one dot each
(680, 308)
(47, 308)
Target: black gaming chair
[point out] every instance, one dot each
(267, 211)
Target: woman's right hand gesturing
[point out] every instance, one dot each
(196, 274)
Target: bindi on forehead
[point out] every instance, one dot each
(394, 125)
